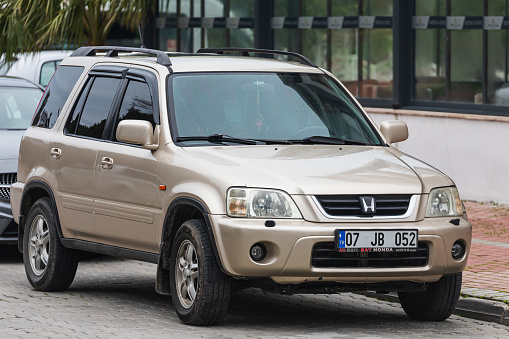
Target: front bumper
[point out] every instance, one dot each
(8, 228)
(290, 244)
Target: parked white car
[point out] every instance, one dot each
(36, 67)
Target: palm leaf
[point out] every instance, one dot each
(33, 25)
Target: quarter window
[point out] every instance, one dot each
(97, 107)
(56, 95)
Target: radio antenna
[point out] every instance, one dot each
(141, 37)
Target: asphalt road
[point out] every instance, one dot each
(112, 298)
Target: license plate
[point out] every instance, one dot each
(376, 240)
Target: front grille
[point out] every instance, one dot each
(350, 205)
(326, 256)
(6, 180)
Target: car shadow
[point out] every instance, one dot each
(248, 308)
(120, 286)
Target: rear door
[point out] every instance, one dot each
(74, 153)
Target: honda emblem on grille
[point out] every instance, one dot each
(368, 205)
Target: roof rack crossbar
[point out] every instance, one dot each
(246, 51)
(112, 51)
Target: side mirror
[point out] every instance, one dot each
(138, 132)
(394, 131)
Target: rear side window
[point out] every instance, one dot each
(97, 107)
(56, 95)
(136, 104)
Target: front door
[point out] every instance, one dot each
(126, 178)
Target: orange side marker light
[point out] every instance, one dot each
(162, 187)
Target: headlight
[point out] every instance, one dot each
(260, 203)
(444, 202)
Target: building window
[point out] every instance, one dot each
(352, 38)
(188, 25)
(461, 54)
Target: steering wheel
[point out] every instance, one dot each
(310, 131)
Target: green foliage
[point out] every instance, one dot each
(32, 25)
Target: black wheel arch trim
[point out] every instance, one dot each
(29, 186)
(201, 207)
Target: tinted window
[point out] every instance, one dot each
(137, 103)
(95, 112)
(56, 94)
(78, 107)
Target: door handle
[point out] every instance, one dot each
(107, 163)
(55, 153)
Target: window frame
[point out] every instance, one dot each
(125, 74)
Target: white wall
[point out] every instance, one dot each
(473, 150)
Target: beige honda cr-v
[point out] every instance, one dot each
(231, 172)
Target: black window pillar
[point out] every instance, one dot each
(403, 49)
(263, 35)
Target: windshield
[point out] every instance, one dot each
(267, 106)
(17, 106)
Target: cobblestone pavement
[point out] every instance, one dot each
(488, 263)
(113, 298)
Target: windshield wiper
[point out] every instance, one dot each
(218, 138)
(317, 139)
(223, 137)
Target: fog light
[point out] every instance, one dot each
(458, 250)
(258, 252)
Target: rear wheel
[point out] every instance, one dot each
(200, 291)
(48, 265)
(436, 303)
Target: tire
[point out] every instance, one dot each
(436, 303)
(200, 291)
(48, 265)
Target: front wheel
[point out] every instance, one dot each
(436, 303)
(200, 291)
(48, 265)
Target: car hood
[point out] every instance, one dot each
(320, 169)
(10, 140)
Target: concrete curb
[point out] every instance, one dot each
(470, 307)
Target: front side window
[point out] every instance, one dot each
(94, 114)
(136, 104)
(276, 106)
(56, 95)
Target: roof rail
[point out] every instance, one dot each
(246, 51)
(112, 51)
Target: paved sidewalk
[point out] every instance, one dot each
(485, 289)
(487, 271)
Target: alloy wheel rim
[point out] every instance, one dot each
(186, 274)
(38, 250)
